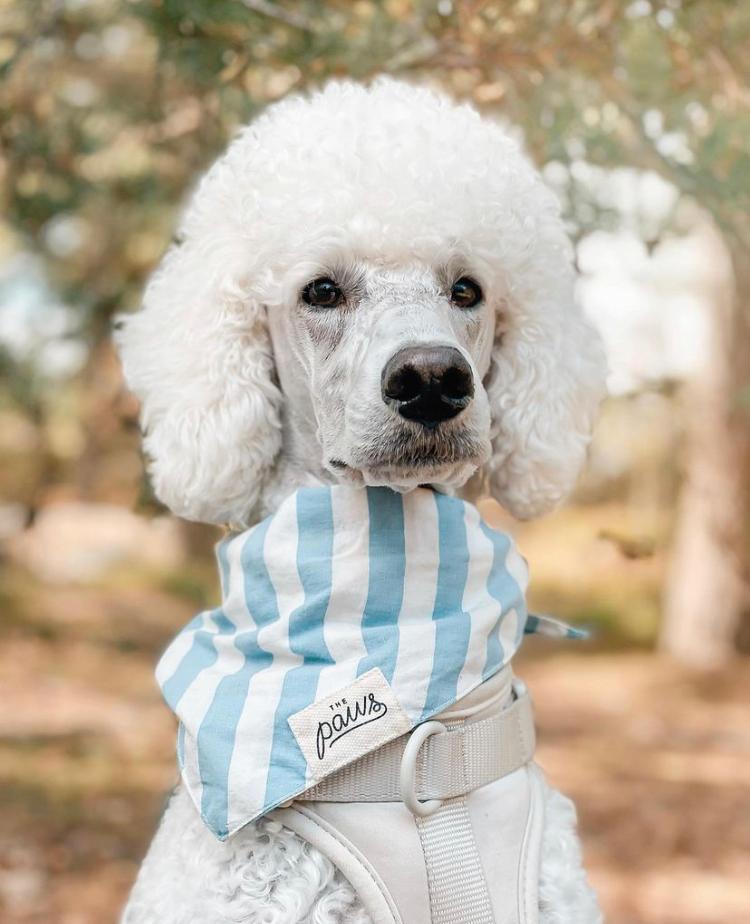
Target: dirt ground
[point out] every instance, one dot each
(656, 759)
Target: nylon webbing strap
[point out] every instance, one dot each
(455, 878)
(450, 764)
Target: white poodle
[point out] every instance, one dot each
(372, 286)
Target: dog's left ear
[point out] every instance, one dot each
(545, 383)
(198, 356)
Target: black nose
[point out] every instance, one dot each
(427, 384)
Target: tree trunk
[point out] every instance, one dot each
(706, 598)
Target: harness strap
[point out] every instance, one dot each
(455, 876)
(450, 764)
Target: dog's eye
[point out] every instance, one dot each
(322, 293)
(466, 293)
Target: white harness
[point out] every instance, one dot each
(355, 682)
(444, 825)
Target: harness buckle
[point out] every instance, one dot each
(408, 772)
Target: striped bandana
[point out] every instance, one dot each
(349, 616)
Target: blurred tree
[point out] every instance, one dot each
(112, 106)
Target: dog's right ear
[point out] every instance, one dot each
(199, 358)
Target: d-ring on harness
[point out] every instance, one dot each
(409, 766)
(443, 825)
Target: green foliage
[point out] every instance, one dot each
(112, 107)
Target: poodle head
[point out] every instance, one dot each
(376, 280)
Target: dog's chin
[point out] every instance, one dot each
(453, 475)
(403, 467)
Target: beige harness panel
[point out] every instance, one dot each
(475, 860)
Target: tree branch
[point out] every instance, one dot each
(279, 14)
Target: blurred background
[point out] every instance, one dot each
(638, 114)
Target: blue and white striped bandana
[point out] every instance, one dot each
(348, 616)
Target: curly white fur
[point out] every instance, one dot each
(264, 873)
(246, 395)
(267, 874)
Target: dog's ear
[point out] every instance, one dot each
(545, 383)
(198, 356)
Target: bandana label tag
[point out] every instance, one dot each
(348, 724)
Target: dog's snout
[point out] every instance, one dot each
(427, 384)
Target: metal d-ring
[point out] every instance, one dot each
(408, 773)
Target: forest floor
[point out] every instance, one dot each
(655, 757)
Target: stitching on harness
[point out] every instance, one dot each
(362, 861)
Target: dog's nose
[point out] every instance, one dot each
(427, 384)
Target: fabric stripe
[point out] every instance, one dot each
(219, 656)
(343, 621)
(179, 647)
(218, 730)
(385, 587)
(288, 767)
(482, 607)
(453, 624)
(416, 625)
(202, 653)
(554, 628)
(248, 771)
(518, 569)
(504, 588)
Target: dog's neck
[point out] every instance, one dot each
(300, 458)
